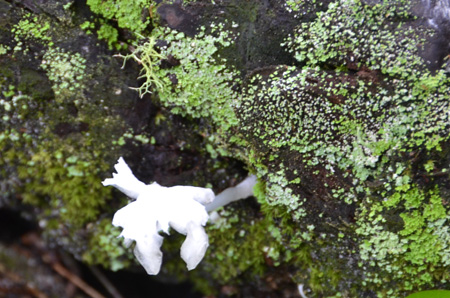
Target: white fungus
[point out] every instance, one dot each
(156, 208)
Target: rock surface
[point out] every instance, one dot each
(340, 108)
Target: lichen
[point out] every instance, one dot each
(189, 80)
(148, 57)
(350, 126)
(33, 27)
(350, 145)
(66, 71)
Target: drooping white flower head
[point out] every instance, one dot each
(156, 208)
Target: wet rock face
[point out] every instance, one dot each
(261, 27)
(178, 18)
(68, 113)
(328, 132)
(435, 15)
(340, 108)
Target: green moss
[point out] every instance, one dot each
(106, 248)
(240, 248)
(129, 15)
(113, 15)
(341, 132)
(68, 184)
(196, 85)
(416, 254)
(109, 34)
(55, 174)
(32, 27)
(52, 136)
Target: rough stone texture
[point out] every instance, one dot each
(340, 108)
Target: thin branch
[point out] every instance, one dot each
(61, 270)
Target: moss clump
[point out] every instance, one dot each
(129, 15)
(57, 175)
(66, 183)
(346, 143)
(57, 128)
(66, 71)
(241, 250)
(116, 15)
(190, 80)
(361, 104)
(105, 247)
(110, 35)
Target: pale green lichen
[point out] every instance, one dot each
(278, 193)
(3, 49)
(360, 107)
(197, 84)
(66, 71)
(147, 56)
(410, 255)
(32, 27)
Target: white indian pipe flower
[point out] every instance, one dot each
(156, 208)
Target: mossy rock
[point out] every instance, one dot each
(68, 113)
(349, 140)
(333, 106)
